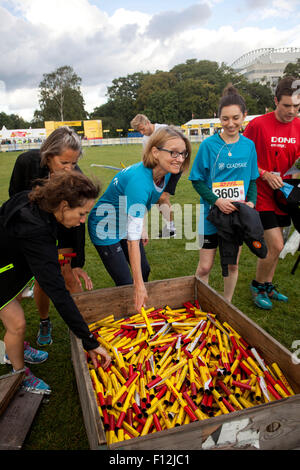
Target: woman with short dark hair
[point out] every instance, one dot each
(60, 151)
(28, 229)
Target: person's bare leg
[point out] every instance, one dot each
(206, 261)
(12, 316)
(231, 280)
(266, 267)
(42, 301)
(41, 298)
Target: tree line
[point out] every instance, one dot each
(189, 90)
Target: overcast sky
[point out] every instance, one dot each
(103, 40)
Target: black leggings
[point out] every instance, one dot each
(116, 261)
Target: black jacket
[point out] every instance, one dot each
(28, 240)
(26, 171)
(290, 203)
(243, 225)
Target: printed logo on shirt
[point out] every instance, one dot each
(281, 141)
(222, 165)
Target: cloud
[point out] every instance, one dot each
(21, 101)
(255, 4)
(77, 17)
(171, 23)
(38, 36)
(273, 8)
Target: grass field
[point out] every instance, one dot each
(59, 424)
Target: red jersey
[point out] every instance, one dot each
(278, 147)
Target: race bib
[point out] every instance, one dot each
(229, 190)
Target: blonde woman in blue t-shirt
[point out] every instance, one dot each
(115, 223)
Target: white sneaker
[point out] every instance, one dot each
(167, 232)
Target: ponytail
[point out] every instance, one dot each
(231, 97)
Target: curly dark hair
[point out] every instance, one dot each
(71, 186)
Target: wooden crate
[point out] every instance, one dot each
(268, 426)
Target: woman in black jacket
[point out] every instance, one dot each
(28, 234)
(60, 151)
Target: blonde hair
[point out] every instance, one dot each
(138, 120)
(158, 139)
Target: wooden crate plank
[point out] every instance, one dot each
(9, 384)
(92, 419)
(16, 421)
(271, 426)
(119, 300)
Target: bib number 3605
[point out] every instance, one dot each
(229, 190)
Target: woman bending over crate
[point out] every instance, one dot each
(28, 233)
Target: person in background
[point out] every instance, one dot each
(143, 125)
(28, 229)
(277, 139)
(224, 170)
(116, 223)
(60, 151)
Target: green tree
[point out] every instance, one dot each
(60, 96)
(292, 69)
(162, 106)
(196, 99)
(123, 93)
(111, 119)
(13, 121)
(126, 87)
(154, 83)
(191, 89)
(202, 69)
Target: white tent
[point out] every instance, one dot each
(22, 134)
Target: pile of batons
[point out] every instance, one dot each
(171, 367)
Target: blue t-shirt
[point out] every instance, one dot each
(213, 165)
(131, 193)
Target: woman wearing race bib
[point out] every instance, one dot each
(224, 170)
(116, 223)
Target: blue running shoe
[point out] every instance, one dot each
(31, 355)
(32, 384)
(274, 294)
(260, 297)
(44, 335)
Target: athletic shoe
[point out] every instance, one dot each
(31, 355)
(32, 384)
(260, 297)
(167, 233)
(44, 335)
(274, 294)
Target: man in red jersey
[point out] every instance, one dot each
(277, 139)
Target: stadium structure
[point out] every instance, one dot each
(266, 65)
